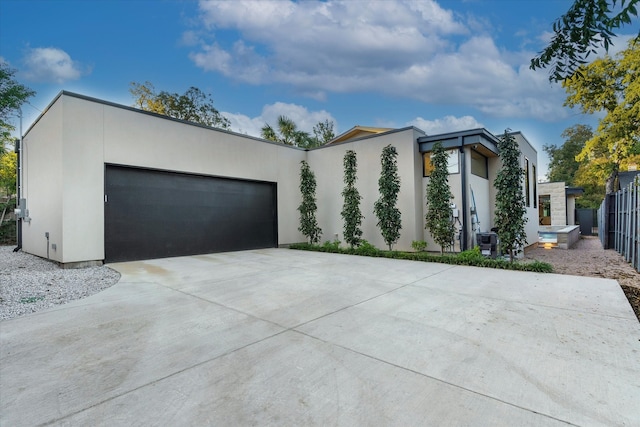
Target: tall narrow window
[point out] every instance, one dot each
(526, 182)
(535, 186)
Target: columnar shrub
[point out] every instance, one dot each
(308, 222)
(510, 209)
(389, 216)
(438, 217)
(351, 208)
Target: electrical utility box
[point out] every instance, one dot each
(488, 243)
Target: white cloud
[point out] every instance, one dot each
(50, 64)
(301, 116)
(415, 50)
(445, 124)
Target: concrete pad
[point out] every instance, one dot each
(296, 380)
(297, 338)
(59, 362)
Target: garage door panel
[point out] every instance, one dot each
(154, 214)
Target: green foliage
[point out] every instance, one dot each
(419, 245)
(12, 96)
(351, 207)
(470, 258)
(8, 172)
(287, 133)
(612, 86)
(366, 249)
(332, 246)
(8, 229)
(562, 160)
(438, 217)
(323, 133)
(471, 255)
(563, 166)
(510, 209)
(389, 216)
(193, 106)
(587, 26)
(308, 222)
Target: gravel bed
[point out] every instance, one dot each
(29, 283)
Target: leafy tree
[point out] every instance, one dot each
(323, 132)
(351, 208)
(510, 209)
(563, 166)
(587, 26)
(389, 216)
(287, 133)
(612, 86)
(308, 223)
(12, 96)
(193, 106)
(562, 160)
(438, 218)
(8, 172)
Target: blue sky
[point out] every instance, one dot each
(438, 65)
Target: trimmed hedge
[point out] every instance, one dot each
(471, 257)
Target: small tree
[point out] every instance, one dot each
(438, 218)
(308, 223)
(510, 209)
(389, 217)
(8, 172)
(351, 208)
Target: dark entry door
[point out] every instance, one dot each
(157, 214)
(587, 218)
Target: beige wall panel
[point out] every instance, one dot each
(42, 184)
(83, 179)
(327, 164)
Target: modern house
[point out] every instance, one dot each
(107, 182)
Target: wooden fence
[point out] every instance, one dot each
(619, 222)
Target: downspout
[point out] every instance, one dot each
(18, 150)
(463, 181)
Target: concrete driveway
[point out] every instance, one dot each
(283, 337)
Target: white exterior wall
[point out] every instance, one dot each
(327, 165)
(532, 225)
(70, 144)
(42, 184)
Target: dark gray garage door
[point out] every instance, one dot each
(158, 214)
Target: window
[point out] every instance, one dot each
(535, 186)
(479, 165)
(452, 162)
(526, 182)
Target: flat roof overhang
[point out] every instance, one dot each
(480, 140)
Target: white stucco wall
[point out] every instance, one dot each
(327, 164)
(527, 150)
(42, 184)
(70, 144)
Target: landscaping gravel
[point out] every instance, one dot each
(29, 283)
